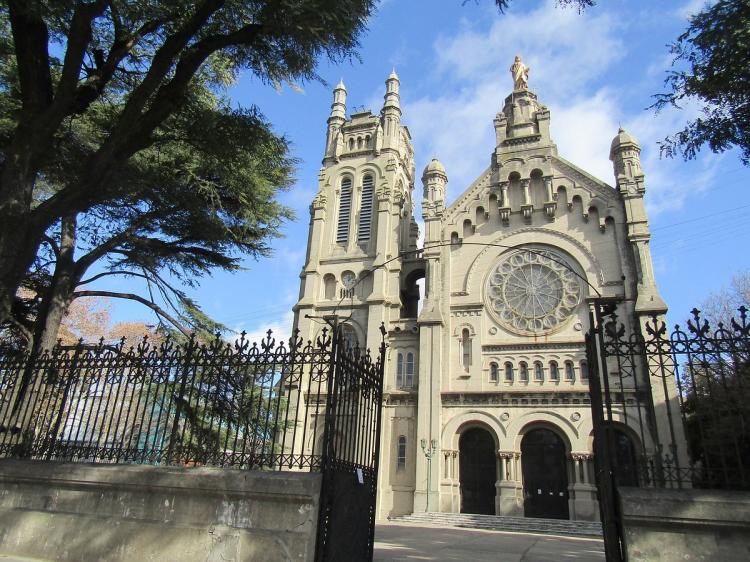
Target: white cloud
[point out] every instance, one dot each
(584, 130)
(692, 7)
(281, 329)
(548, 39)
(473, 69)
(570, 55)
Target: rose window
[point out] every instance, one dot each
(533, 291)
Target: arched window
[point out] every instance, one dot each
(554, 374)
(350, 337)
(401, 453)
(508, 371)
(465, 348)
(538, 371)
(493, 372)
(468, 229)
(367, 141)
(409, 379)
(351, 144)
(626, 464)
(568, 370)
(400, 370)
(329, 286)
(365, 208)
(523, 371)
(359, 142)
(345, 209)
(454, 238)
(480, 216)
(584, 371)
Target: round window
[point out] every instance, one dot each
(533, 291)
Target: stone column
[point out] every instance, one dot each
(509, 496)
(550, 205)
(527, 208)
(583, 501)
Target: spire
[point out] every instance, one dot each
(392, 97)
(338, 107)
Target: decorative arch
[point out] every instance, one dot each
(356, 327)
(633, 433)
(549, 420)
(473, 418)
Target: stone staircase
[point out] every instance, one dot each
(503, 523)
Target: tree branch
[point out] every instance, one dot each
(79, 37)
(106, 273)
(133, 297)
(52, 244)
(30, 38)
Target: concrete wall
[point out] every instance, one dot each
(114, 513)
(685, 525)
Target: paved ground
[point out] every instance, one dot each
(404, 542)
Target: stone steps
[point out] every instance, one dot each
(503, 523)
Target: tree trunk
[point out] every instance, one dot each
(18, 248)
(60, 294)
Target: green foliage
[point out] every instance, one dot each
(715, 50)
(112, 103)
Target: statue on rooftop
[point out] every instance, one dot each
(520, 74)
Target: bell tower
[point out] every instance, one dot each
(360, 220)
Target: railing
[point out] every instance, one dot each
(697, 432)
(250, 406)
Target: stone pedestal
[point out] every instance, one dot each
(509, 498)
(584, 506)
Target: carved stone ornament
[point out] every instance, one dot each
(532, 291)
(581, 456)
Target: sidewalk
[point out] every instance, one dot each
(406, 542)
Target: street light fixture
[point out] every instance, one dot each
(428, 452)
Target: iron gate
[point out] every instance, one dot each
(670, 408)
(346, 521)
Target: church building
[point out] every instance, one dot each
(486, 397)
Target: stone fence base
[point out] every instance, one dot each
(685, 525)
(75, 512)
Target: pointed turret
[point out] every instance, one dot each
(334, 142)
(625, 154)
(391, 114)
(338, 107)
(434, 179)
(392, 97)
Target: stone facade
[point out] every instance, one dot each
(486, 404)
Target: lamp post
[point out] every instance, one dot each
(428, 453)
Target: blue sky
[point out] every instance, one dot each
(594, 71)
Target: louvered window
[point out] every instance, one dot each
(365, 211)
(345, 209)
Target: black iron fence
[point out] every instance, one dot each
(671, 407)
(217, 404)
(286, 405)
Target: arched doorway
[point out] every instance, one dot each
(625, 465)
(477, 464)
(545, 478)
